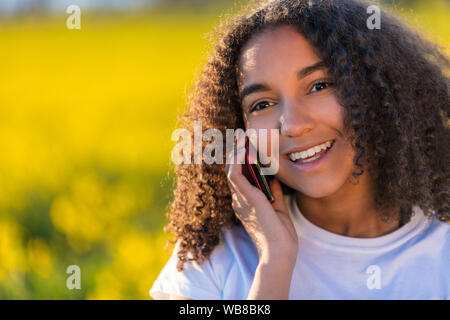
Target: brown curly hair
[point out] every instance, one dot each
(391, 83)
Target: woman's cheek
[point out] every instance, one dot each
(265, 137)
(330, 112)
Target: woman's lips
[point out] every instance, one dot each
(311, 165)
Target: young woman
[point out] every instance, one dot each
(361, 215)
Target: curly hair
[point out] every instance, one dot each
(390, 81)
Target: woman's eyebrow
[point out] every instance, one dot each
(258, 87)
(310, 69)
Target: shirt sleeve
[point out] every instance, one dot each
(196, 281)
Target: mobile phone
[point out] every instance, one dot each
(252, 171)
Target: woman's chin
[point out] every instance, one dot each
(315, 190)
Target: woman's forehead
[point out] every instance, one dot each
(275, 49)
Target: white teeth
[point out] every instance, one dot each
(310, 152)
(292, 156)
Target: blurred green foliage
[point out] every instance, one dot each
(85, 123)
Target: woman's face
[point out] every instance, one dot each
(294, 94)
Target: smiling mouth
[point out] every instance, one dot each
(298, 158)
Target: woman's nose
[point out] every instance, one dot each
(294, 121)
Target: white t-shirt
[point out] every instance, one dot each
(412, 262)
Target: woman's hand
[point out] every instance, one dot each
(269, 225)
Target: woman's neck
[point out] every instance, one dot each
(348, 212)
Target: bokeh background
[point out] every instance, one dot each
(86, 118)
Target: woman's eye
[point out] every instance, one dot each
(320, 86)
(257, 106)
